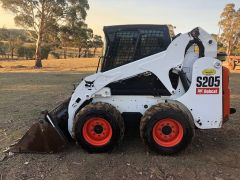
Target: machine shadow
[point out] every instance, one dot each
(132, 140)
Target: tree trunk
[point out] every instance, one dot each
(12, 53)
(94, 52)
(64, 53)
(79, 52)
(228, 49)
(38, 59)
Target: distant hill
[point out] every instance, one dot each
(5, 34)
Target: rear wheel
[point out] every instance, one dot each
(99, 127)
(166, 128)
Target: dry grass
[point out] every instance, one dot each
(53, 65)
(59, 65)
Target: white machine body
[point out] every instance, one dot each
(203, 98)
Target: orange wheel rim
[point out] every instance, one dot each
(167, 132)
(97, 131)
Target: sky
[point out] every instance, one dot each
(184, 14)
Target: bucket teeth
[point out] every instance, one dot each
(42, 137)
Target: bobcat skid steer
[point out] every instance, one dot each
(174, 84)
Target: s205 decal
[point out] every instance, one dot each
(208, 84)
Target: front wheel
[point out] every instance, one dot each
(99, 127)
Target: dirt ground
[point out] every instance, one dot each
(213, 154)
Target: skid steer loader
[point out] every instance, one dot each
(174, 84)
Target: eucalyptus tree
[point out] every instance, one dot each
(37, 17)
(230, 27)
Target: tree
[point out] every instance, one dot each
(3, 49)
(14, 40)
(4, 34)
(38, 16)
(14, 43)
(84, 42)
(65, 36)
(97, 43)
(76, 34)
(26, 52)
(230, 26)
(80, 35)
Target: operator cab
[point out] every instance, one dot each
(128, 43)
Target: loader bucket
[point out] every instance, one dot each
(42, 137)
(48, 135)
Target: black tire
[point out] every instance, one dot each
(109, 114)
(162, 112)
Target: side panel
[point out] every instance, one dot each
(204, 97)
(131, 103)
